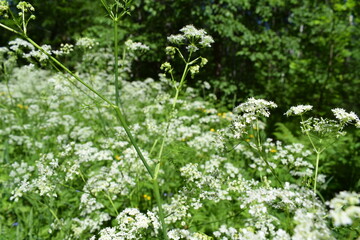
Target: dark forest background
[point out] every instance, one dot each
(288, 51)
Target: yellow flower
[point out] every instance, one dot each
(147, 197)
(251, 136)
(22, 106)
(117, 157)
(273, 150)
(212, 130)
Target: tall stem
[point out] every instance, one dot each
(178, 88)
(316, 169)
(159, 204)
(116, 67)
(259, 149)
(121, 118)
(111, 202)
(158, 165)
(318, 152)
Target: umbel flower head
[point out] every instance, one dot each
(345, 117)
(4, 7)
(255, 107)
(249, 112)
(298, 110)
(25, 6)
(192, 37)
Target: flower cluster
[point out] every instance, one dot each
(345, 208)
(192, 37)
(86, 43)
(248, 114)
(345, 117)
(4, 7)
(25, 7)
(65, 49)
(136, 46)
(298, 110)
(322, 127)
(132, 224)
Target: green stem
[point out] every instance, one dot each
(259, 149)
(161, 212)
(157, 167)
(82, 176)
(308, 135)
(7, 77)
(112, 203)
(316, 169)
(121, 118)
(116, 67)
(10, 29)
(53, 213)
(318, 152)
(178, 88)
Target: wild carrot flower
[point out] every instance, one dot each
(136, 46)
(298, 110)
(345, 207)
(248, 113)
(192, 37)
(345, 117)
(86, 43)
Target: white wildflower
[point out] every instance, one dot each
(298, 110)
(192, 37)
(345, 117)
(86, 43)
(136, 46)
(344, 208)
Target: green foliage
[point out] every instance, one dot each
(70, 171)
(286, 50)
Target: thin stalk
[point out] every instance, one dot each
(7, 85)
(116, 70)
(157, 167)
(121, 118)
(316, 169)
(23, 21)
(53, 213)
(259, 148)
(112, 203)
(318, 152)
(82, 176)
(10, 29)
(161, 212)
(308, 135)
(178, 88)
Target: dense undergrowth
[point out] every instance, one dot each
(154, 159)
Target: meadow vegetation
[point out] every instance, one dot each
(89, 150)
